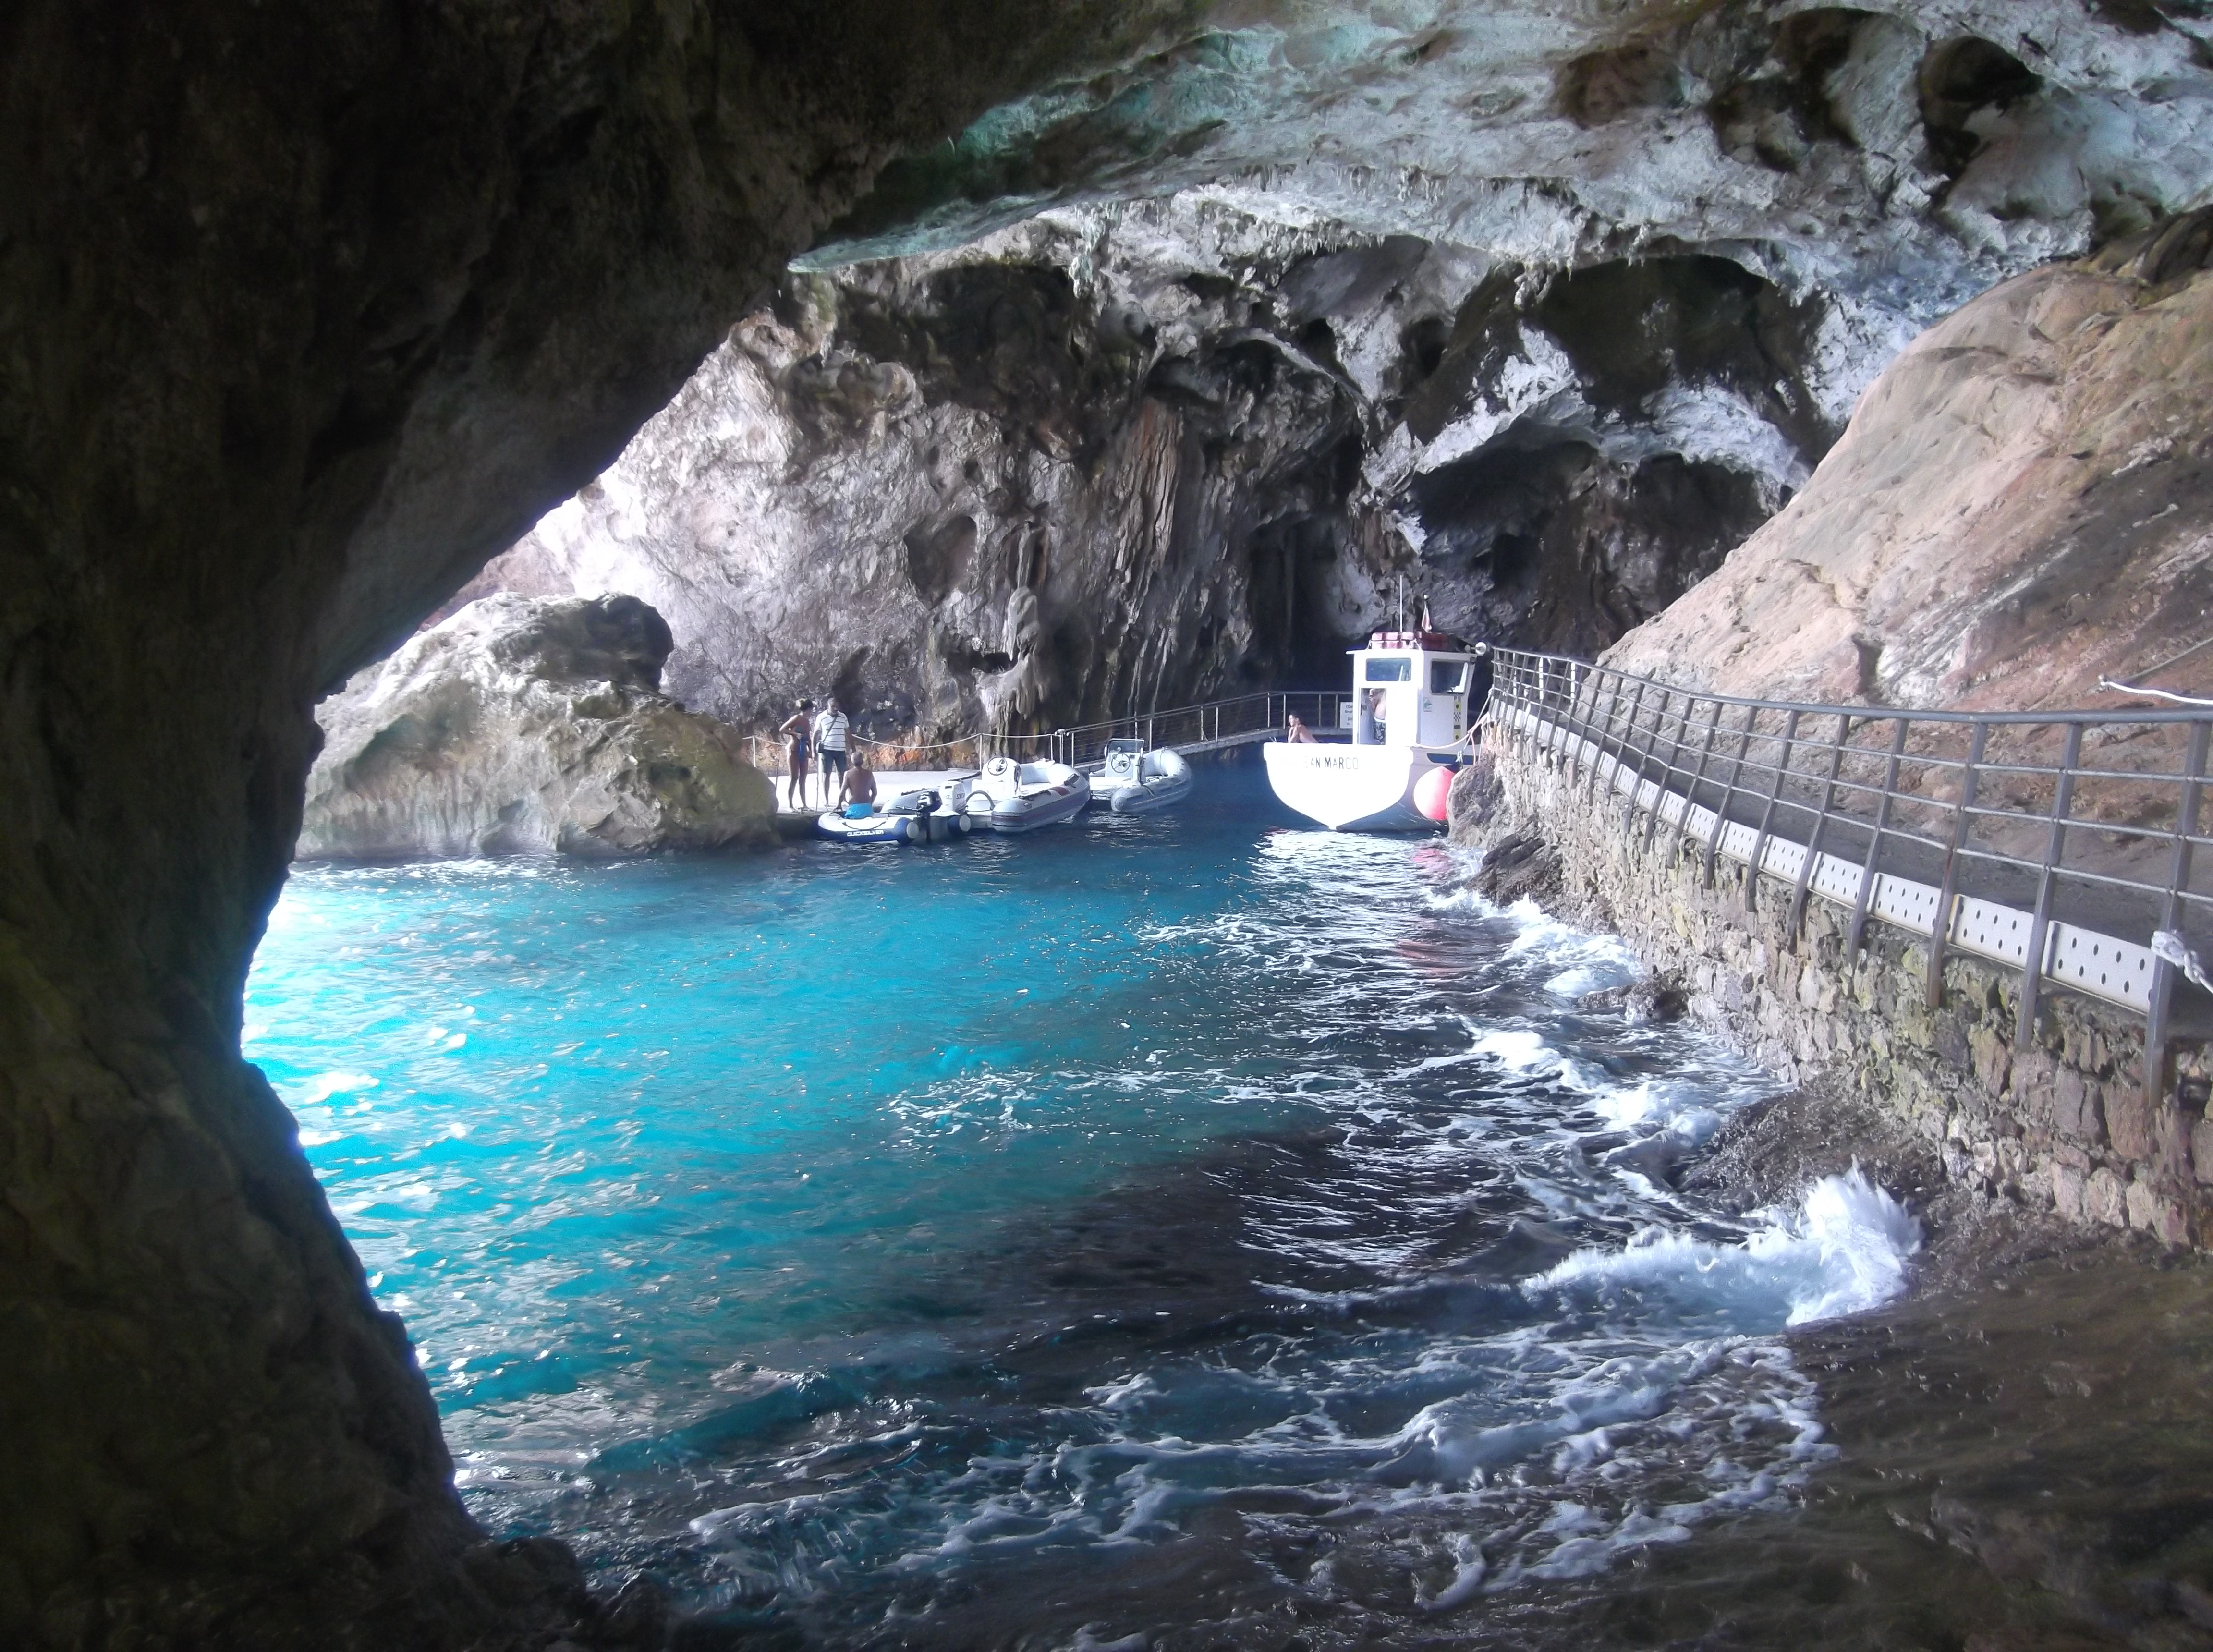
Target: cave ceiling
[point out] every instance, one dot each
(1908, 154)
(1539, 307)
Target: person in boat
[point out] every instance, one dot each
(1298, 734)
(856, 788)
(796, 730)
(1373, 729)
(831, 730)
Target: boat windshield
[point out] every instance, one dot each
(1390, 671)
(1447, 676)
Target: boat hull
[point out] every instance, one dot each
(1142, 783)
(1034, 810)
(911, 818)
(1147, 795)
(1015, 797)
(931, 828)
(1350, 787)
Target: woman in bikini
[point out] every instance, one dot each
(794, 729)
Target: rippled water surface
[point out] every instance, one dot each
(1195, 1229)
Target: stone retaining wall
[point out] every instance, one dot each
(2062, 1125)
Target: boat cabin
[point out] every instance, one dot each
(1411, 688)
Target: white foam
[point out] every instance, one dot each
(1844, 1251)
(1512, 1046)
(1469, 1569)
(1578, 982)
(323, 1086)
(1629, 1106)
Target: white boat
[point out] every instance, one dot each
(1135, 781)
(1410, 703)
(912, 817)
(1011, 796)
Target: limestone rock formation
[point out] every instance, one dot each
(1538, 319)
(2023, 503)
(1074, 470)
(527, 727)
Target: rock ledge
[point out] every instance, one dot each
(525, 726)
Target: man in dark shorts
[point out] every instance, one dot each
(832, 730)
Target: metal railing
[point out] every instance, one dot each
(1239, 720)
(2058, 843)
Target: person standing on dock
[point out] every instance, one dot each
(830, 730)
(796, 730)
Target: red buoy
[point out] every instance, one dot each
(1433, 794)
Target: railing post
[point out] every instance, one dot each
(1627, 744)
(1658, 777)
(2047, 880)
(1598, 735)
(1571, 740)
(1728, 792)
(2162, 972)
(1797, 916)
(1767, 815)
(1875, 844)
(1698, 776)
(1943, 933)
(1674, 760)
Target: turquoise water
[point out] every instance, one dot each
(1157, 1226)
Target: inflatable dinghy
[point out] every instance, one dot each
(1013, 796)
(1137, 781)
(912, 817)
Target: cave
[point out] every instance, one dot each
(1046, 368)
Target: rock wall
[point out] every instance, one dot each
(2023, 504)
(1540, 322)
(967, 494)
(2062, 1124)
(302, 315)
(525, 727)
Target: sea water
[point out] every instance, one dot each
(1178, 1230)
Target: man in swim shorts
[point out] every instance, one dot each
(858, 787)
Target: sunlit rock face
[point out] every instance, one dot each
(1534, 311)
(527, 727)
(2022, 505)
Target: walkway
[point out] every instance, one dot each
(1995, 821)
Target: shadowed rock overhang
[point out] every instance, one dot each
(304, 314)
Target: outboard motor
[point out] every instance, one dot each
(1123, 759)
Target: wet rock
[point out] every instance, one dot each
(1523, 866)
(1652, 1000)
(1473, 805)
(302, 324)
(1771, 1152)
(527, 726)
